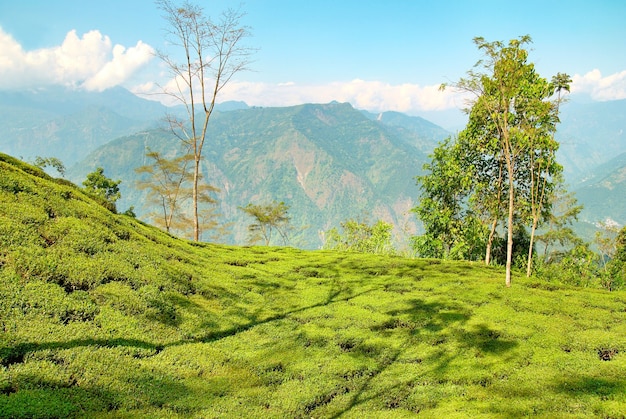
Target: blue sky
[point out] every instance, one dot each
(378, 55)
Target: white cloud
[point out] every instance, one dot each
(370, 95)
(90, 61)
(124, 63)
(612, 87)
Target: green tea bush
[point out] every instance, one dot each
(37, 404)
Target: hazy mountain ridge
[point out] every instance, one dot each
(604, 193)
(67, 123)
(328, 162)
(590, 134)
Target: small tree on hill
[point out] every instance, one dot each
(169, 188)
(358, 236)
(617, 266)
(55, 163)
(165, 185)
(269, 219)
(100, 186)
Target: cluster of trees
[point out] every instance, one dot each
(488, 191)
(361, 236)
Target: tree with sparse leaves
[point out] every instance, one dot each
(268, 219)
(165, 183)
(55, 163)
(169, 187)
(213, 52)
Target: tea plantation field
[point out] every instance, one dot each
(102, 316)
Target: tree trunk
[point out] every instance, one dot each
(490, 241)
(509, 242)
(196, 176)
(529, 264)
(508, 156)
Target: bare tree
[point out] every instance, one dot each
(213, 52)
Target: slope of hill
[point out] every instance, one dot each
(590, 134)
(327, 162)
(103, 316)
(67, 123)
(604, 193)
(420, 133)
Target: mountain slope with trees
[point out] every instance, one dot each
(68, 124)
(328, 163)
(590, 134)
(604, 193)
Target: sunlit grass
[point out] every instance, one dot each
(102, 316)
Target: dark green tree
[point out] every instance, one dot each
(451, 228)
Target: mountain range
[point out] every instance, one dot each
(328, 162)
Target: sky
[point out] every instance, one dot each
(384, 55)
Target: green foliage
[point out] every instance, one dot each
(104, 316)
(616, 269)
(452, 229)
(577, 266)
(100, 186)
(510, 133)
(359, 236)
(269, 218)
(55, 163)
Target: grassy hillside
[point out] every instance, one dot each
(102, 316)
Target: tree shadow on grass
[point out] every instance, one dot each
(601, 387)
(15, 354)
(335, 295)
(441, 325)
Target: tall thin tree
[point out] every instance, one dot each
(213, 52)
